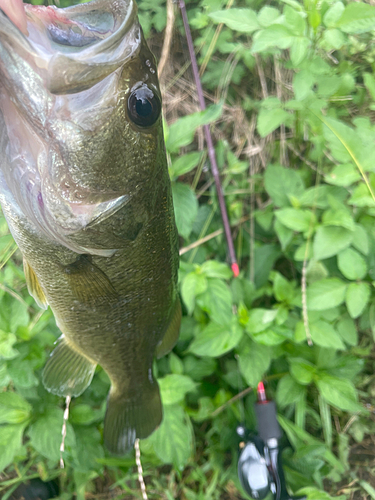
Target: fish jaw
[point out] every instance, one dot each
(61, 87)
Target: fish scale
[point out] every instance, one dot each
(91, 208)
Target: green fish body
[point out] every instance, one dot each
(87, 196)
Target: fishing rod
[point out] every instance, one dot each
(210, 147)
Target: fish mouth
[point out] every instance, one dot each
(83, 43)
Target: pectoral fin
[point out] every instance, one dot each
(33, 285)
(171, 335)
(67, 372)
(88, 283)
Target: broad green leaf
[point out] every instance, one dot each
(338, 392)
(45, 434)
(275, 35)
(271, 119)
(330, 240)
(87, 453)
(198, 368)
(352, 265)
(243, 20)
(217, 301)
(13, 408)
(325, 294)
(184, 164)
(343, 175)
(334, 39)
(260, 319)
(360, 240)
(295, 20)
(7, 340)
(84, 414)
(289, 391)
(185, 207)
(253, 361)
(173, 440)
(338, 216)
(299, 50)
(312, 493)
(174, 387)
(348, 330)
(181, 132)
(302, 84)
(357, 17)
(19, 315)
(323, 334)
(357, 296)
(215, 340)
(10, 442)
(267, 15)
(281, 183)
(192, 285)
(284, 234)
(296, 219)
(22, 373)
(215, 269)
(302, 370)
(333, 14)
(283, 289)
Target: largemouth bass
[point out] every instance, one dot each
(87, 196)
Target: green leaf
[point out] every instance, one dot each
(302, 83)
(253, 361)
(357, 17)
(215, 340)
(283, 289)
(22, 373)
(260, 319)
(181, 132)
(334, 39)
(270, 119)
(13, 408)
(369, 81)
(45, 434)
(215, 269)
(338, 392)
(19, 315)
(288, 391)
(296, 219)
(352, 265)
(275, 35)
(199, 368)
(357, 296)
(330, 240)
(281, 183)
(348, 330)
(284, 234)
(7, 340)
(174, 387)
(360, 240)
(10, 442)
(217, 301)
(343, 175)
(325, 294)
(173, 441)
(333, 14)
(323, 334)
(267, 15)
(185, 208)
(301, 370)
(192, 285)
(83, 414)
(299, 50)
(243, 20)
(184, 164)
(326, 418)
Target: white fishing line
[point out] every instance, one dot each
(63, 430)
(140, 470)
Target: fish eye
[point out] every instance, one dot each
(144, 106)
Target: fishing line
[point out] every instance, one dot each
(63, 430)
(140, 469)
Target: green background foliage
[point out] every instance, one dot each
(298, 170)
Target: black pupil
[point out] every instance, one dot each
(144, 106)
